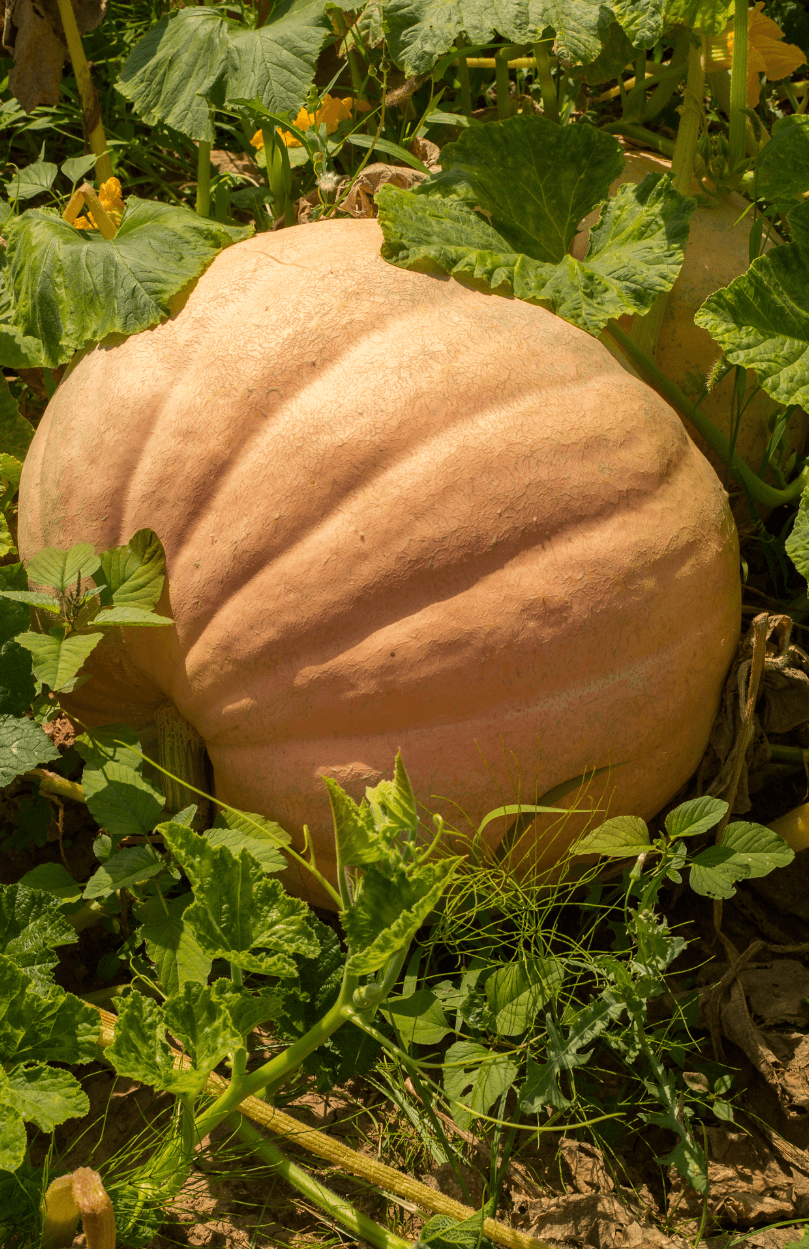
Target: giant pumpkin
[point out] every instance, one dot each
(397, 513)
(718, 251)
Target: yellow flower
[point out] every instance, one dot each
(332, 111)
(766, 53)
(109, 196)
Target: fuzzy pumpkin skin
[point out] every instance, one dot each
(397, 512)
(717, 252)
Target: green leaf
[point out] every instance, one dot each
(476, 1076)
(251, 825)
(34, 598)
(419, 1017)
(355, 833)
(140, 1049)
(23, 746)
(7, 546)
(120, 800)
(76, 168)
(247, 1010)
(55, 879)
(168, 73)
(10, 469)
(33, 180)
(14, 618)
(13, 1137)
(695, 817)
(237, 914)
(442, 1232)
(747, 851)
(420, 31)
(129, 617)
(114, 743)
(133, 575)
(196, 57)
(17, 688)
(707, 16)
(622, 837)
(170, 945)
(276, 63)
(782, 169)
(761, 322)
(797, 544)
(47, 1096)
(128, 867)
(263, 848)
(642, 20)
(16, 352)
(496, 220)
(16, 432)
(393, 805)
(541, 1086)
(58, 658)
(517, 992)
(71, 287)
(31, 927)
(390, 908)
(60, 570)
(43, 1027)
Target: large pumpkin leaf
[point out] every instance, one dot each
(16, 432)
(507, 203)
(31, 927)
(71, 287)
(391, 906)
(237, 914)
(761, 322)
(46, 1095)
(51, 1026)
(197, 57)
(708, 16)
(782, 171)
(170, 944)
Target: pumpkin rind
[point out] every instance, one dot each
(397, 513)
(717, 252)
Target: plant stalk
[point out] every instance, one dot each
(646, 330)
(94, 135)
(738, 90)
(652, 375)
(502, 86)
(336, 1207)
(463, 79)
(51, 784)
(547, 87)
(203, 204)
(633, 131)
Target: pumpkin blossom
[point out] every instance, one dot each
(332, 111)
(109, 196)
(766, 52)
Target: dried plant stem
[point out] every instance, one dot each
(94, 135)
(327, 1147)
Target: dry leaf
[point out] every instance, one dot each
(33, 34)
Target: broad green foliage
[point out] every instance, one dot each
(745, 850)
(392, 906)
(761, 322)
(194, 58)
(475, 1078)
(782, 169)
(39, 1023)
(170, 945)
(507, 204)
(707, 16)
(72, 287)
(132, 575)
(23, 745)
(797, 544)
(419, 32)
(15, 432)
(419, 1018)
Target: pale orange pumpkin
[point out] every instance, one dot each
(717, 252)
(397, 513)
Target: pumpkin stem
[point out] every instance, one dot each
(80, 1194)
(180, 751)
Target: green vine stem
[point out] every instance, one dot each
(547, 87)
(340, 1155)
(656, 142)
(279, 175)
(650, 373)
(463, 79)
(94, 135)
(336, 1207)
(502, 85)
(738, 90)
(203, 203)
(646, 330)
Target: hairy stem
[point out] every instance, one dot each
(547, 87)
(738, 89)
(463, 79)
(203, 204)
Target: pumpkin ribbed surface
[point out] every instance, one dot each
(397, 512)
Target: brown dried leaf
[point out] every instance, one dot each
(33, 34)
